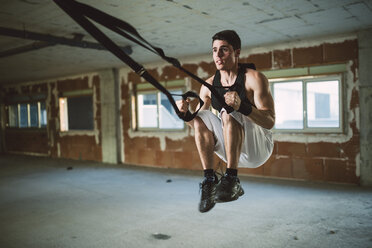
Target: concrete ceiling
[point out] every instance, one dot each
(181, 28)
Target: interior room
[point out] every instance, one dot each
(94, 155)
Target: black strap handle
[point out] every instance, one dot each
(188, 116)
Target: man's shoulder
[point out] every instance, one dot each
(210, 80)
(204, 89)
(255, 77)
(252, 73)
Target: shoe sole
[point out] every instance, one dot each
(227, 198)
(207, 209)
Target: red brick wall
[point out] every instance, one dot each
(30, 140)
(49, 141)
(147, 150)
(319, 161)
(77, 145)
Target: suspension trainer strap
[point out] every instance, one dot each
(81, 12)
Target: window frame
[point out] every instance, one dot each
(149, 89)
(74, 94)
(311, 79)
(28, 127)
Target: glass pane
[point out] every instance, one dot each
(34, 116)
(147, 111)
(288, 105)
(168, 118)
(13, 115)
(23, 115)
(80, 113)
(323, 104)
(43, 115)
(63, 116)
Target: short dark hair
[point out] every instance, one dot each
(230, 36)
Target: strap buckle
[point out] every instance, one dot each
(141, 71)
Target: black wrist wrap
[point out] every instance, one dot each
(245, 107)
(187, 115)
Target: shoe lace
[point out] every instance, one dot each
(224, 182)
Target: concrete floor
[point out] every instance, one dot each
(43, 204)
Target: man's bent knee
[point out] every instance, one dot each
(228, 119)
(199, 124)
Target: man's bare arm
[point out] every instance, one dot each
(205, 95)
(264, 112)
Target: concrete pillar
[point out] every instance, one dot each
(2, 121)
(109, 110)
(118, 134)
(2, 126)
(365, 100)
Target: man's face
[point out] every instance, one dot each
(224, 55)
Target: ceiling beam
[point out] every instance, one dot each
(54, 40)
(27, 48)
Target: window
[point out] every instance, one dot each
(288, 115)
(154, 111)
(26, 115)
(34, 114)
(23, 115)
(323, 104)
(13, 115)
(308, 105)
(76, 113)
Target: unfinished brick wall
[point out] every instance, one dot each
(148, 151)
(50, 141)
(23, 140)
(316, 161)
(77, 145)
(300, 158)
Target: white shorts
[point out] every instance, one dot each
(258, 142)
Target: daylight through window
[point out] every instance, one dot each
(308, 105)
(27, 115)
(154, 111)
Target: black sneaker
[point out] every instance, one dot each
(208, 194)
(229, 189)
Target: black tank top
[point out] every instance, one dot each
(238, 85)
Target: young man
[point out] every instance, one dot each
(241, 137)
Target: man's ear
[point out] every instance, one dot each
(237, 52)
